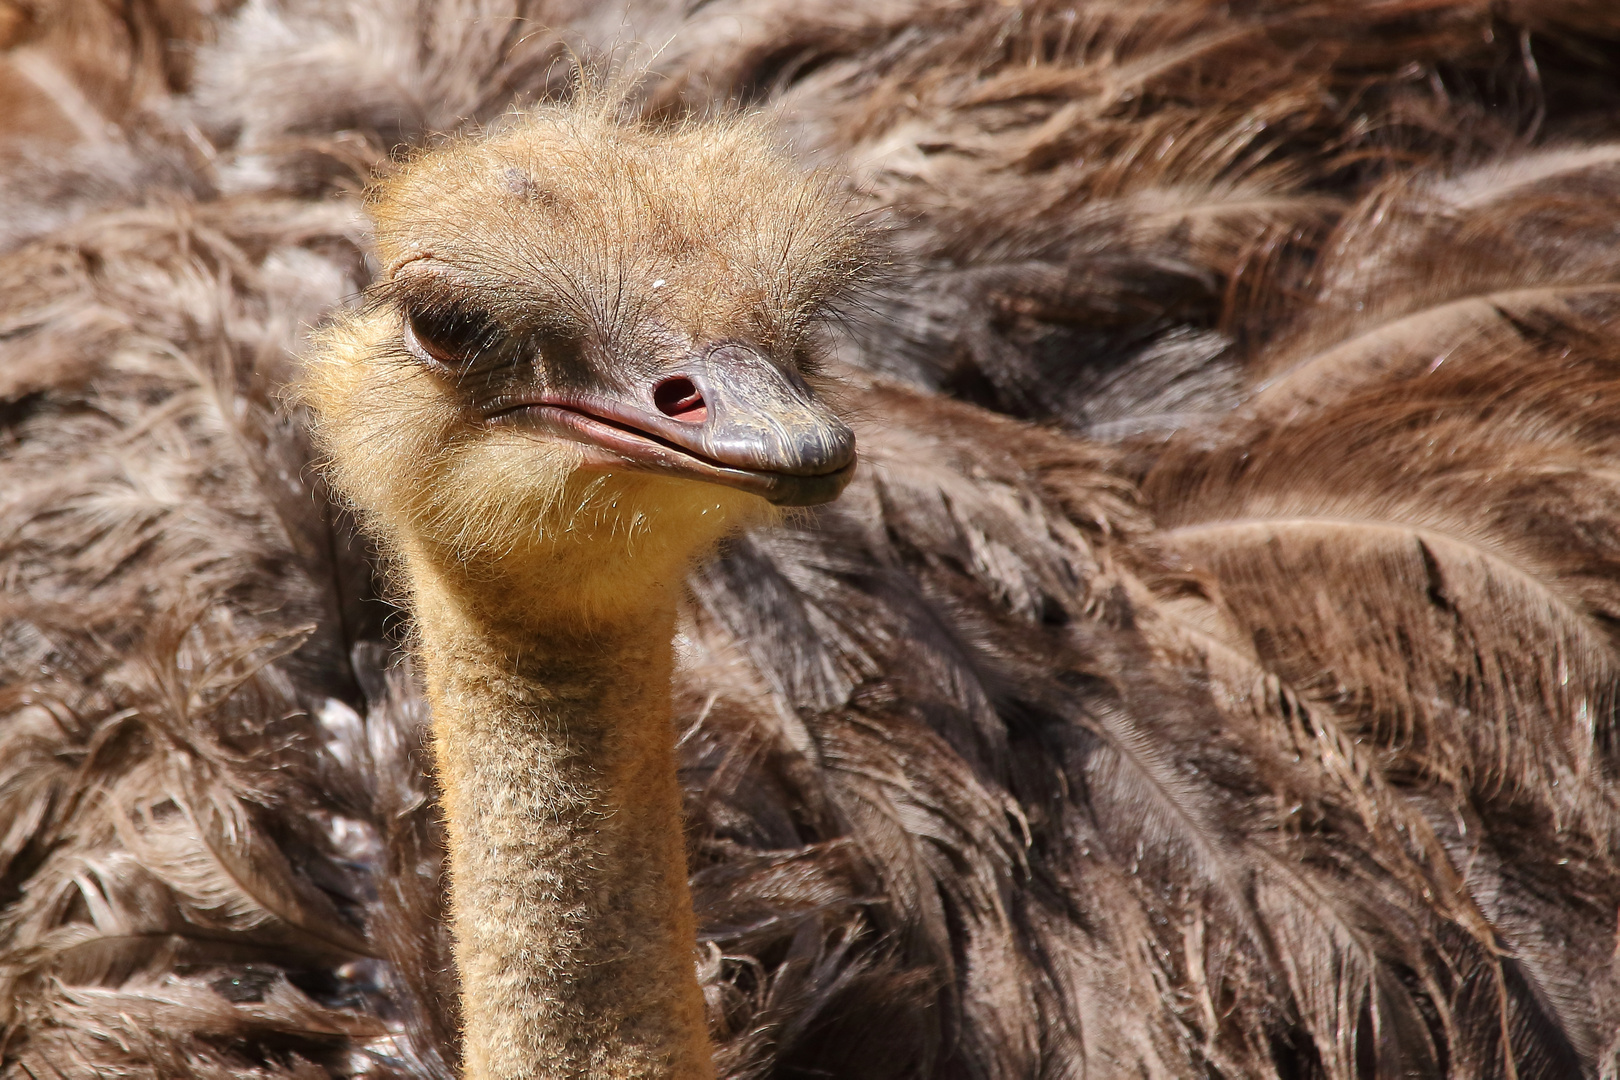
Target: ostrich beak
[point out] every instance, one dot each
(729, 416)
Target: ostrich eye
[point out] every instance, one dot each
(452, 339)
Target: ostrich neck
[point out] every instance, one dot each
(573, 925)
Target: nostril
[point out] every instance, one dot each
(680, 399)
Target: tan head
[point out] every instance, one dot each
(590, 351)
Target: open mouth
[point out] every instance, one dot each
(617, 437)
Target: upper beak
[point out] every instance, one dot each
(729, 416)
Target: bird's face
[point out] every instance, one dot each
(583, 328)
(721, 406)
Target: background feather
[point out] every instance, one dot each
(1252, 716)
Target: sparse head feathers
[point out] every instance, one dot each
(704, 227)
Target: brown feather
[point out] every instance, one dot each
(1267, 731)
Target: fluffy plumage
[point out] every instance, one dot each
(1251, 714)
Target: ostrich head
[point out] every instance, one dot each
(590, 351)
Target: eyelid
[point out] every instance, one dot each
(414, 346)
(463, 340)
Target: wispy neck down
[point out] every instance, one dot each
(573, 925)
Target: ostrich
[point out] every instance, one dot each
(1208, 669)
(544, 438)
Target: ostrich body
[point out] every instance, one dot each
(1210, 669)
(501, 414)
